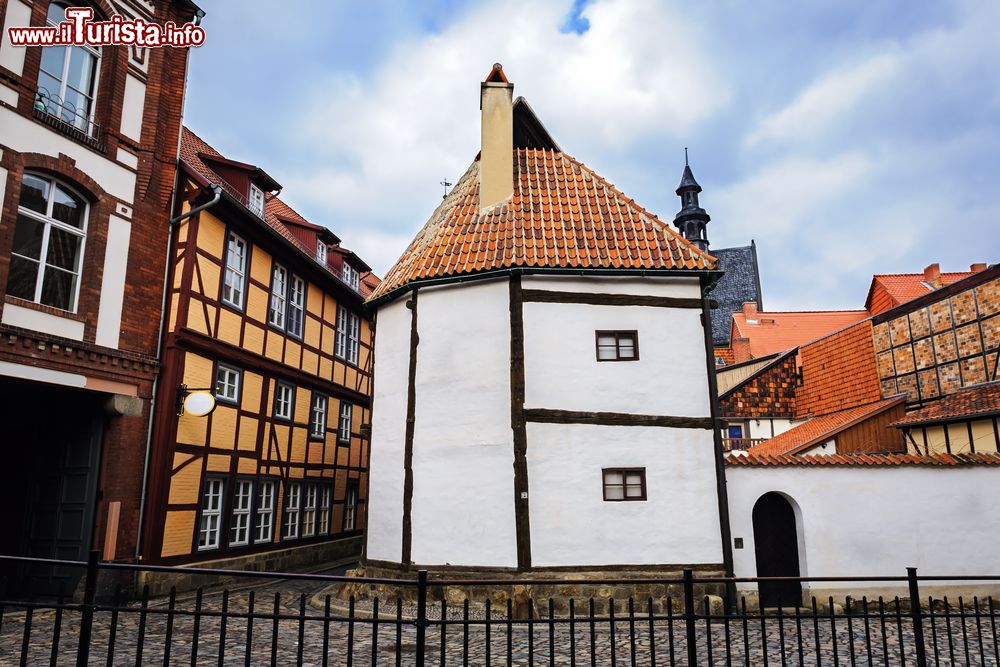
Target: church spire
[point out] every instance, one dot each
(691, 220)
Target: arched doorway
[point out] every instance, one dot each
(776, 547)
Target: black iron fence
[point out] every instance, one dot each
(253, 618)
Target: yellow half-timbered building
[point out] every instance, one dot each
(265, 315)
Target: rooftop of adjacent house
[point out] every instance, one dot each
(560, 216)
(770, 332)
(889, 290)
(278, 215)
(749, 459)
(978, 401)
(818, 430)
(740, 283)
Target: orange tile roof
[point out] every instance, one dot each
(561, 215)
(781, 331)
(826, 365)
(977, 401)
(889, 290)
(942, 459)
(820, 429)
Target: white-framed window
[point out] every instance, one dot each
(309, 511)
(351, 505)
(347, 342)
(227, 383)
(67, 78)
(239, 523)
(284, 400)
(296, 305)
(293, 500)
(321, 251)
(350, 275)
(211, 514)
(49, 236)
(234, 285)
(317, 416)
(279, 290)
(264, 522)
(323, 520)
(255, 202)
(344, 423)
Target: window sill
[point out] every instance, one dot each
(42, 308)
(69, 130)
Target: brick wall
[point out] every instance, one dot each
(770, 393)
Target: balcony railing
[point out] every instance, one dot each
(740, 444)
(66, 118)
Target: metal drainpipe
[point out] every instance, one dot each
(159, 348)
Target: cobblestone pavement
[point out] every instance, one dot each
(302, 634)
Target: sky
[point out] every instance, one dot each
(846, 137)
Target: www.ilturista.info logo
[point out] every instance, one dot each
(80, 30)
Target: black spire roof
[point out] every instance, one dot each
(687, 181)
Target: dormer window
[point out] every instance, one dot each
(321, 252)
(350, 275)
(67, 79)
(256, 200)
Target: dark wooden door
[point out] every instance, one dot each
(776, 547)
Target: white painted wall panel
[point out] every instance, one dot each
(109, 315)
(681, 287)
(561, 369)
(572, 524)
(12, 57)
(385, 495)
(463, 504)
(132, 107)
(36, 320)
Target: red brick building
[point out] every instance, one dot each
(88, 149)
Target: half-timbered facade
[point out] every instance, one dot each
(266, 314)
(88, 148)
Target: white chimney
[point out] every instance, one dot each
(496, 161)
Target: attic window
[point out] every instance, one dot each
(320, 251)
(256, 200)
(350, 275)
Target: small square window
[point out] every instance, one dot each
(227, 383)
(624, 484)
(284, 401)
(617, 345)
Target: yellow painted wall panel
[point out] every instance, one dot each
(175, 300)
(197, 318)
(326, 346)
(315, 452)
(350, 377)
(366, 332)
(253, 338)
(252, 386)
(178, 533)
(185, 484)
(343, 456)
(935, 438)
(325, 368)
(310, 362)
(230, 324)
(302, 398)
(247, 466)
(339, 372)
(281, 438)
(984, 436)
(182, 229)
(224, 427)
(198, 370)
(210, 277)
(275, 344)
(260, 265)
(959, 436)
(211, 234)
(247, 439)
(218, 463)
(178, 273)
(312, 332)
(257, 304)
(293, 353)
(314, 300)
(192, 430)
(298, 445)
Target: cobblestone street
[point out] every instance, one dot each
(142, 639)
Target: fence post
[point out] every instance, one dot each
(917, 617)
(689, 617)
(421, 616)
(87, 610)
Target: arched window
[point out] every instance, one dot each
(48, 243)
(67, 79)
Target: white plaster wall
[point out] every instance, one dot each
(463, 488)
(109, 314)
(132, 107)
(12, 57)
(385, 491)
(876, 521)
(571, 523)
(675, 286)
(36, 320)
(761, 428)
(669, 378)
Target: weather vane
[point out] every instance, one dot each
(447, 184)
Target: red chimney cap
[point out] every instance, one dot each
(496, 75)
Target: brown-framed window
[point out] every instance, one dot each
(621, 484)
(617, 345)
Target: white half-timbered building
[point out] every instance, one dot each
(542, 385)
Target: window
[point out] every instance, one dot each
(347, 340)
(350, 275)
(734, 431)
(323, 522)
(293, 497)
(624, 483)
(279, 288)
(351, 505)
(617, 345)
(264, 523)
(256, 200)
(48, 244)
(296, 305)
(239, 526)
(321, 251)
(344, 425)
(234, 286)
(284, 401)
(227, 383)
(309, 512)
(317, 416)
(67, 79)
(211, 514)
